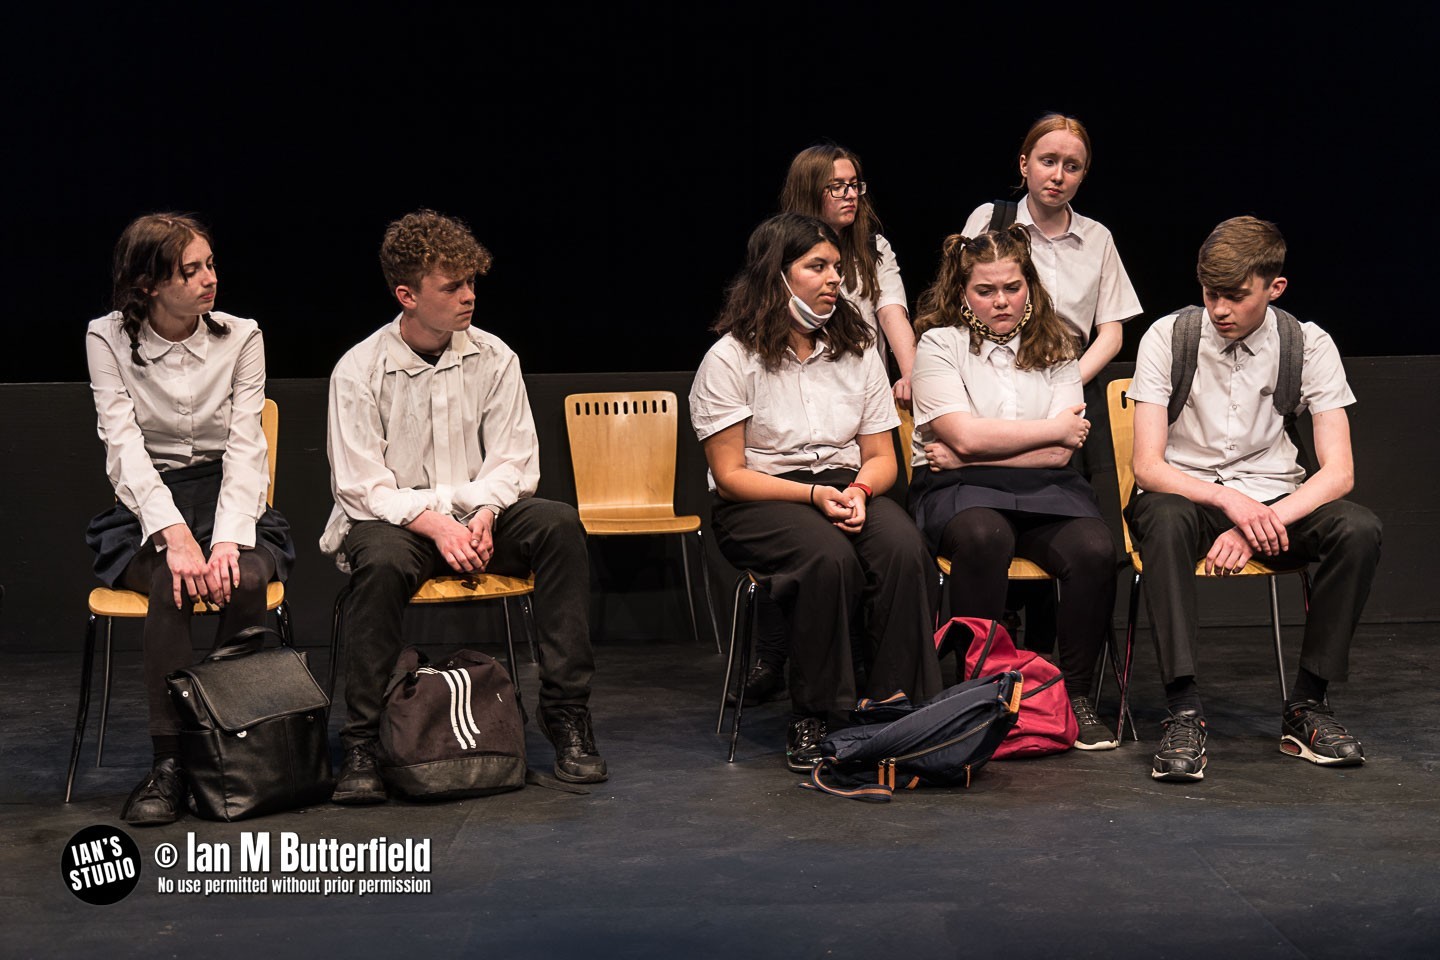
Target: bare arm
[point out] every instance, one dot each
(1336, 476)
(900, 335)
(1108, 337)
(979, 440)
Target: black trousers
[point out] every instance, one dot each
(1079, 551)
(166, 640)
(388, 563)
(1172, 533)
(872, 590)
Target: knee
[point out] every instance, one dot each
(1355, 528)
(1157, 514)
(836, 567)
(978, 541)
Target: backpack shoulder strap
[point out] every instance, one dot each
(1184, 357)
(1004, 214)
(1292, 363)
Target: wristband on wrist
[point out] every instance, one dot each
(812, 494)
(869, 494)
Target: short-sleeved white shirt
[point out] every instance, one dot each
(1230, 431)
(949, 378)
(805, 415)
(887, 280)
(1080, 268)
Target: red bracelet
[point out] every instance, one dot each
(869, 494)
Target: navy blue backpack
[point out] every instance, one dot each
(941, 742)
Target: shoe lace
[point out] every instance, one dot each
(809, 732)
(1320, 721)
(570, 727)
(1182, 732)
(1084, 712)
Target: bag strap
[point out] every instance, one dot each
(985, 650)
(1044, 686)
(1184, 358)
(243, 644)
(1003, 214)
(1292, 364)
(869, 793)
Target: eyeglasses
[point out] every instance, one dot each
(837, 190)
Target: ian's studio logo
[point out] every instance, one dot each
(100, 865)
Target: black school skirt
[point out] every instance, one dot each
(115, 534)
(935, 498)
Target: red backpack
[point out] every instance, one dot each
(1046, 723)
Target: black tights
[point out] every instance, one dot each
(1078, 551)
(167, 629)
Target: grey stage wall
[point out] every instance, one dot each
(54, 480)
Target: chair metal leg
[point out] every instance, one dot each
(747, 638)
(335, 642)
(1279, 650)
(1305, 589)
(528, 616)
(730, 659)
(105, 692)
(87, 665)
(689, 591)
(1128, 661)
(705, 582)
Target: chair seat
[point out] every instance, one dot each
(1020, 569)
(480, 586)
(1254, 568)
(105, 602)
(628, 521)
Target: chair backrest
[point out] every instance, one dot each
(907, 439)
(622, 445)
(1122, 440)
(270, 422)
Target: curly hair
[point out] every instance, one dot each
(810, 172)
(423, 241)
(147, 254)
(1046, 341)
(757, 305)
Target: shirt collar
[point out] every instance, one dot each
(988, 347)
(1250, 345)
(1022, 215)
(153, 346)
(400, 356)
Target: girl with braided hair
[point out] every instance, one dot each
(178, 390)
(997, 381)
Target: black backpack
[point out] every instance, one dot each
(940, 742)
(1003, 214)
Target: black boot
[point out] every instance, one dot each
(577, 760)
(160, 797)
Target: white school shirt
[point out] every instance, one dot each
(805, 415)
(1230, 431)
(891, 287)
(949, 378)
(404, 437)
(195, 401)
(1081, 269)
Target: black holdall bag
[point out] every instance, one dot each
(941, 742)
(253, 728)
(451, 729)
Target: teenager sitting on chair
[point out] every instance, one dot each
(1222, 482)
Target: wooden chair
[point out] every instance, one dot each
(1122, 435)
(622, 445)
(455, 588)
(110, 604)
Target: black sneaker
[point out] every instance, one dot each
(160, 797)
(577, 760)
(359, 781)
(765, 683)
(1182, 752)
(1309, 730)
(1093, 734)
(802, 743)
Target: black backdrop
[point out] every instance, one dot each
(614, 157)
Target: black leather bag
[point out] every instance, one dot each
(253, 728)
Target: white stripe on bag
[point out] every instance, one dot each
(452, 683)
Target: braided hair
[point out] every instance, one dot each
(147, 255)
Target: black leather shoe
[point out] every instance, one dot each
(802, 743)
(765, 683)
(160, 797)
(359, 781)
(577, 760)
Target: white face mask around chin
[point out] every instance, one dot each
(802, 315)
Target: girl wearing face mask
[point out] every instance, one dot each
(826, 182)
(996, 381)
(795, 416)
(178, 390)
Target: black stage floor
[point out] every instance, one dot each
(680, 854)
